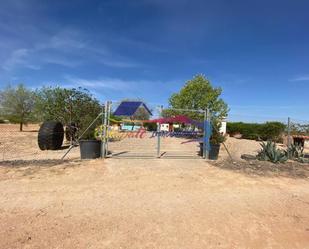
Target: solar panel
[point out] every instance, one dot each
(128, 108)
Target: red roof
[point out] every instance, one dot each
(301, 136)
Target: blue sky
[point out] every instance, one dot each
(257, 51)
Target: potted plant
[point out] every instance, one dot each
(215, 141)
(90, 146)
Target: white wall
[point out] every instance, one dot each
(164, 127)
(306, 144)
(223, 127)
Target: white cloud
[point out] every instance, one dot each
(17, 57)
(68, 48)
(101, 83)
(121, 88)
(66, 40)
(118, 63)
(62, 61)
(300, 78)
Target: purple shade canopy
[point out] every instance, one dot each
(177, 119)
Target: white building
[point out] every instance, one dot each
(223, 127)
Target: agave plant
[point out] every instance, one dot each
(295, 151)
(303, 160)
(269, 152)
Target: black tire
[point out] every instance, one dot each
(51, 135)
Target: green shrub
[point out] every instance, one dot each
(246, 129)
(266, 131)
(150, 126)
(269, 152)
(251, 136)
(272, 131)
(2, 121)
(216, 137)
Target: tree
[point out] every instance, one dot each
(17, 104)
(51, 104)
(67, 105)
(141, 114)
(198, 94)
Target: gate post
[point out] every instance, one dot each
(158, 140)
(104, 124)
(108, 124)
(207, 134)
(159, 133)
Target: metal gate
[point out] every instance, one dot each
(160, 143)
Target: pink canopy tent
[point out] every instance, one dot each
(176, 119)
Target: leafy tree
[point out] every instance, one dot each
(68, 105)
(141, 114)
(150, 126)
(198, 94)
(17, 104)
(272, 131)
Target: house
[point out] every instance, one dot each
(165, 127)
(169, 127)
(172, 123)
(134, 112)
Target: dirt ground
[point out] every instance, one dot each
(15, 145)
(151, 203)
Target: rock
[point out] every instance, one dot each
(248, 157)
(238, 135)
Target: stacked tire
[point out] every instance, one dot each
(51, 134)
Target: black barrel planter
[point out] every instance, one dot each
(50, 135)
(213, 153)
(90, 149)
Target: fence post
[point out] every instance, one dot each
(207, 131)
(3, 152)
(204, 134)
(76, 142)
(158, 140)
(104, 121)
(289, 136)
(108, 123)
(159, 134)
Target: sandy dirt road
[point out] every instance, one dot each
(150, 203)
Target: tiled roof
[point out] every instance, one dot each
(128, 108)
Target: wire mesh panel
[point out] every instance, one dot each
(134, 134)
(181, 133)
(126, 136)
(246, 132)
(299, 133)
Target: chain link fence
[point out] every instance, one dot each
(16, 145)
(245, 133)
(23, 145)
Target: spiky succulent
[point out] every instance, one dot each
(295, 151)
(269, 152)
